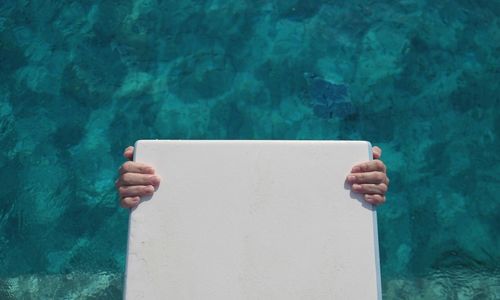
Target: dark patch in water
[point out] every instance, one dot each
(301, 10)
(328, 99)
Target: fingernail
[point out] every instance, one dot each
(356, 186)
(356, 169)
(351, 178)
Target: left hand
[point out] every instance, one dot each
(370, 178)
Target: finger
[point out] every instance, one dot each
(136, 190)
(129, 202)
(368, 177)
(129, 153)
(369, 166)
(380, 189)
(135, 167)
(377, 152)
(138, 179)
(375, 199)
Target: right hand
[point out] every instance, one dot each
(135, 180)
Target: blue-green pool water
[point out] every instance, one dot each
(81, 80)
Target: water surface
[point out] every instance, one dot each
(82, 80)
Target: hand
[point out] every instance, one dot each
(370, 178)
(135, 180)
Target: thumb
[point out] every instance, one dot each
(377, 152)
(129, 153)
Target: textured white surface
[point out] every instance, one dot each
(252, 220)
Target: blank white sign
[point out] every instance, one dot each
(253, 220)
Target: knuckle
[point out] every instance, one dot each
(123, 203)
(380, 177)
(127, 166)
(126, 177)
(145, 169)
(377, 198)
(122, 190)
(129, 202)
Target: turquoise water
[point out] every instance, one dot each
(80, 81)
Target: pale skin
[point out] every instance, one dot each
(137, 179)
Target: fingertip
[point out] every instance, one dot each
(351, 178)
(374, 199)
(377, 152)
(128, 149)
(129, 152)
(150, 189)
(370, 199)
(155, 180)
(130, 202)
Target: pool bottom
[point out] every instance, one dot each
(445, 284)
(453, 284)
(63, 286)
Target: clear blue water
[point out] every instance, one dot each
(79, 81)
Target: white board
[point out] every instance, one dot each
(253, 220)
